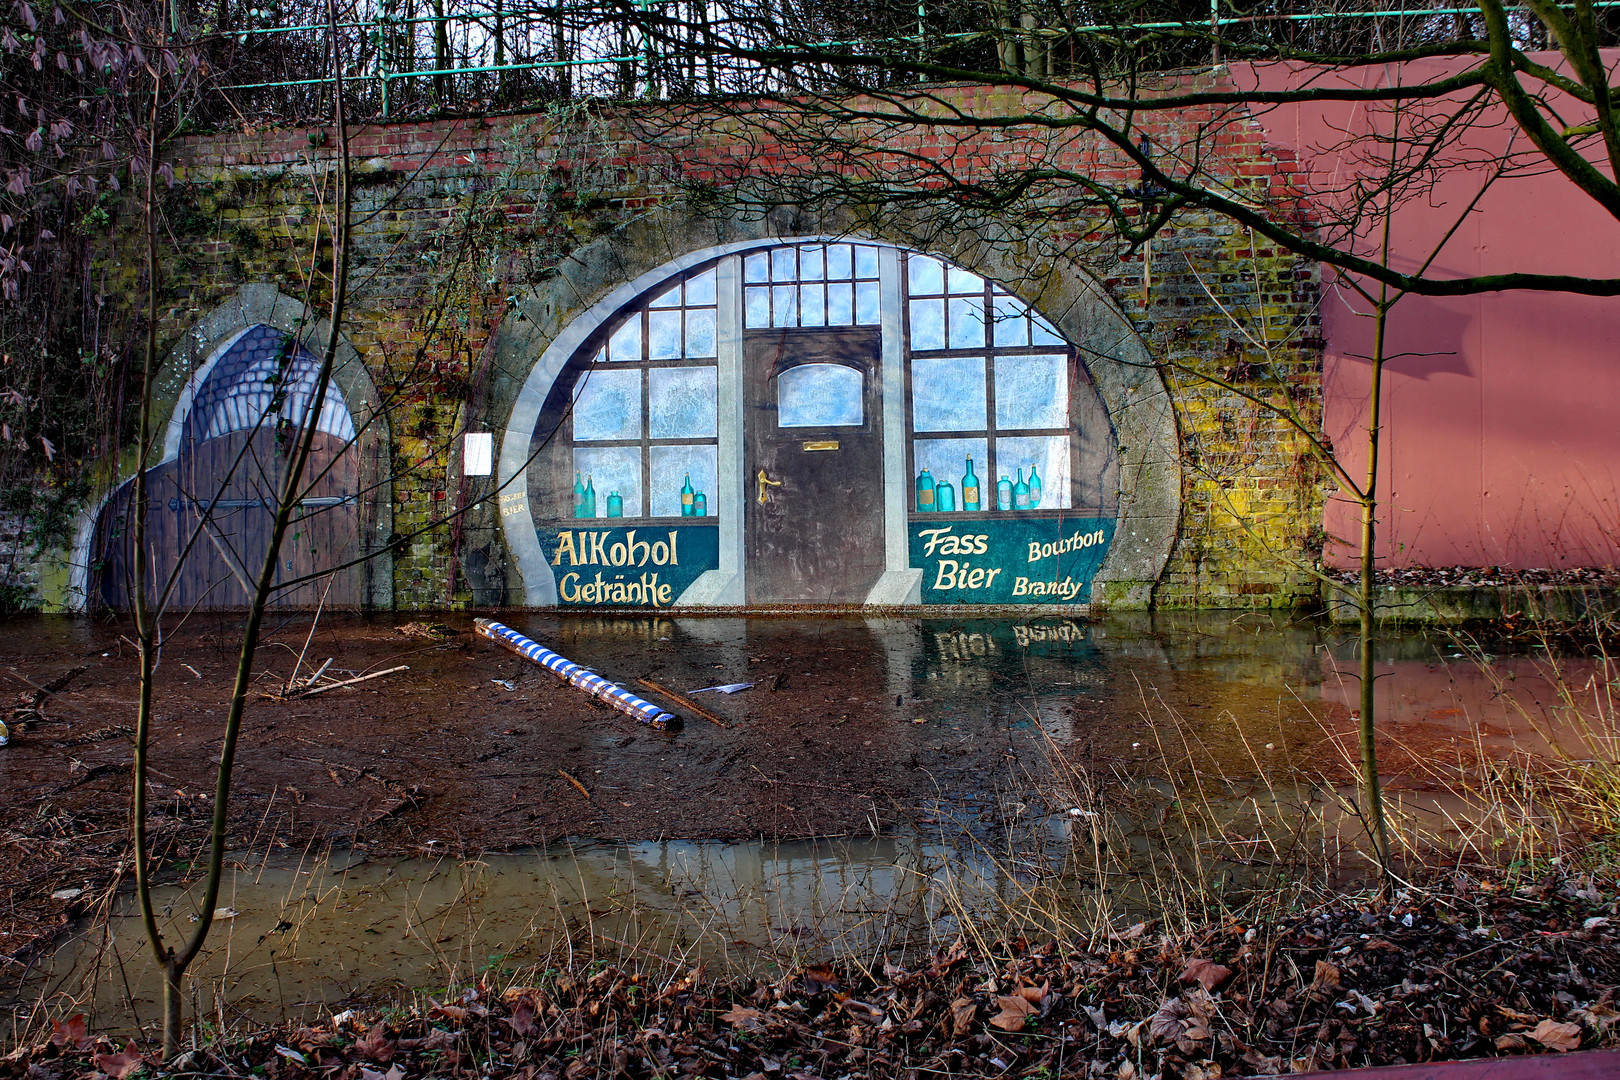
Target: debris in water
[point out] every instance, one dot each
(505, 684)
(572, 673)
(583, 790)
(684, 702)
(349, 682)
(728, 688)
(66, 894)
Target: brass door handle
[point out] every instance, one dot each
(764, 495)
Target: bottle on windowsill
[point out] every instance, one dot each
(1034, 488)
(970, 488)
(1004, 495)
(700, 505)
(579, 496)
(590, 497)
(944, 497)
(1020, 493)
(687, 495)
(925, 492)
(615, 505)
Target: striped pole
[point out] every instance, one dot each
(570, 672)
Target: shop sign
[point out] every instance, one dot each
(623, 567)
(1023, 561)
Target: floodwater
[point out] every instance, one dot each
(884, 786)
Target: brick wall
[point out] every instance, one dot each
(452, 218)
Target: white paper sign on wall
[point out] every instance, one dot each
(477, 453)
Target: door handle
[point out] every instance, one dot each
(764, 494)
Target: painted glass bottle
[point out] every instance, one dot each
(925, 492)
(1020, 492)
(687, 495)
(590, 497)
(970, 488)
(1004, 494)
(700, 505)
(1034, 488)
(615, 505)
(944, 497)
(579, 496)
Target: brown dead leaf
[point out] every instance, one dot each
(376, 1045)
(1206, 973)
(448, 1012)
(394, 1073)
(1556, 1036)
(1035, 995)
(1015, 1012)
(818, 978)
(948, 959)
(1202, 1070)
(1166, 1025)
(963, 1013)
(1512, 1042)
(861, 1011)
(744, 1019)
(118, 1066)
(71, 1033)
(1192, 1038)
(1327, 976)
(522, 1018)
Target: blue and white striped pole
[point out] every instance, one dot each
(570, 672)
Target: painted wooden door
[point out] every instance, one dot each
(814, 484)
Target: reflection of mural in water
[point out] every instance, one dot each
(1000, 422)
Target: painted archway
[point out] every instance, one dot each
(785, 420)
(240, 383)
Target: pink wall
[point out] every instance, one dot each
(1502, 444)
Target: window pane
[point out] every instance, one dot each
(820, 395)
(810, 264)
(1042, 332)
(607, 405)
(947, 393)
(782, 268)
(838, 262)
(840, 304)
(681, 403)
(757, 267)
(671, 465)
(757, 301)
(866, 303)
(699, 332)
(625, 344)
(1032, 392)
(1048, 455)
(927, 324)
(866, 262)
(812, 305)
(1010, 325)
(965, 281)
(786, 312)
(925, 275)
(946, 459)
(669, 299)
(967, 322)
(610, 469)
(700, 290)
(663, 335)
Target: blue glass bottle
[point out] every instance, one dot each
(1034, 488)
(700, 505)
(925, 492)
(944, 497)
(687, 497)
(1020, 492)
(590, 497)
(1004, 494)
(579, 496)
(615, 505)
(970, 488)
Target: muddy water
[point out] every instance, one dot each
(1061, 769)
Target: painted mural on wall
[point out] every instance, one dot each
(827, 354)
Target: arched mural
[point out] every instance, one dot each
(247, 383)
(811, 420)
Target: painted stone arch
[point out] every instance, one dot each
(236, 388)
(784, 420)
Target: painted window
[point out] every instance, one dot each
(990, 382)
(811, 285)
(644, 415)
(820, 395)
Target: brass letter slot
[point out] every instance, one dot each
(826, 444)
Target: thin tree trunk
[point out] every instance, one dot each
(1371, 787)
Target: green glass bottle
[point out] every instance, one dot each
(700, 505)
(970, 488)
(590, 497)
(615, 506)
(1004, 496)
(579, 496)
(687, 497)
(925, 492)
(944, 497)
(1020, 492)
(1034, 488)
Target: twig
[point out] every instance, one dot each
(349, 682)
(683, 701)
(582, 789)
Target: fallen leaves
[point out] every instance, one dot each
(1556, 1036)
(1016, 1010)
(117, 1066)
(1206, 973)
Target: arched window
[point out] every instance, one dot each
(261, 369)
